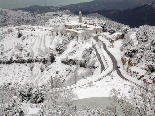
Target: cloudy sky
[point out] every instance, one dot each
(24, 3)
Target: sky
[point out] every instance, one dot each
(10, 4)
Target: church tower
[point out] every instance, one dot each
(80, 17)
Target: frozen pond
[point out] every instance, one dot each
(96, 102)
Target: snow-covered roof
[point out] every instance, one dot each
(84, 25)
(73, 23)
(73, 30)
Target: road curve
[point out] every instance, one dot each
(115, 67)
(87, 82)
(114, 62)
(99, 58)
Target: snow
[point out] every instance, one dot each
(103, 87)
(107, 60)
(95, 78)
(30, 109)
(33, 111)
(42, 42)
(34, 40)
(73, 23)
(138, 69)
(16, 73)
(132, 35)
(76, 31)
(117, 54)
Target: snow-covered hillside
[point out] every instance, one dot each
(28, 43)
(10, 17)
(21, 43)
(139, 53)
(44, 68)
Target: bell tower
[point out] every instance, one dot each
(80, 17)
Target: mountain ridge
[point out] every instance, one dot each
(134, 17)
(40, 9)
(142, 15)
(107, 5)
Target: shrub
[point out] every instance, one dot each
(19, 34)
(58, 103)
(52, 58)
(11, 109)
(60, 48)
(32, 94)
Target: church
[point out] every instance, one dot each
(80, 27)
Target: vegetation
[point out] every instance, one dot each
(138, 50)
(140, 102)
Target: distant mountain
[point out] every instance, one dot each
(112, 9)
(107, 5)
(40, 9)
(135, 17)
(19, 17)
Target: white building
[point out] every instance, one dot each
(80, 27)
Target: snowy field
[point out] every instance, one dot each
(103, 88)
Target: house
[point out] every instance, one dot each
(80, 27)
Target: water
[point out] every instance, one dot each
(10, 4)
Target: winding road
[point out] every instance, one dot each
(99, 58)
(103, 74)
(115, 66)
